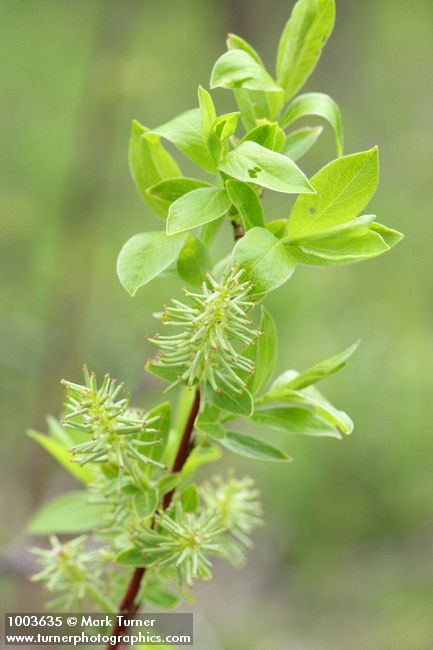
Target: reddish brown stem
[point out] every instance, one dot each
(129, 604)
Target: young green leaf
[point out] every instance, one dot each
(163, 413)
(225, 125)
(160, 598)
(68, 513)
(210, 231)
(231, 401)
(265, 259)
(302, 41)
(246, 202)
(63, 456)
(296, 421)
(259, 103)
(253, 448)
(317, 372)
(132, 557)
(171, 189)
(268, 135)
(246, 107)
(238, 69)
(252, 163)
(199, 456)
(235, 42)
(311, 398)
(343, 188)
(208, 422)
(390, 237)
(145, 256)
(189, 499)
(196, 208)
(298, 142)
(208, 117)
(264, 353)
(278, 227)
(168, 483)
(194, 261)
(58, 433)
(346, 248)
(185, 132)
(316, 104)
(146, 503)
(149, 163)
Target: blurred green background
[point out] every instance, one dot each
(344, 561)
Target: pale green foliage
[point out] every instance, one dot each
(137, 466)
(316, 104)
(301, 43)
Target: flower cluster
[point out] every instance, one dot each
(187, 540)
(212, 327)
(118, 434)
(237, 503)
(72, 572)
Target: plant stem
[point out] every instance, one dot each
(129, 604)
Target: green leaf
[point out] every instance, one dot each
(163, 412)
(246, 202)
(145, 256)
(196, 208)
(210, 231)
(311, 398)
(258, 103)
(225, 125)
(233, 402)
(146, 502)
(159, 597)
(149, 163)
(317, 372)
(299, 142)
(68, 513)
(264, 353)
(390, 237)
(185, 132)
(253, 448)
(171, 189)
(58, 433)
(168, 483)
(208, 422)
(252, 163)
(301, 42)
(338, 418)
(194, 261)
(343, 188)
(239, 69)
(296, 421)
(208, 117)
(246, 107)
(268, 135)
(265, 259)
(316, 104)
(278, 227)
(346, 249)
(165, 373)
(235, 42)
(63, 456)
(189, 499)
(132, 557)
(198, 457)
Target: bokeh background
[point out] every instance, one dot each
(344, 561)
